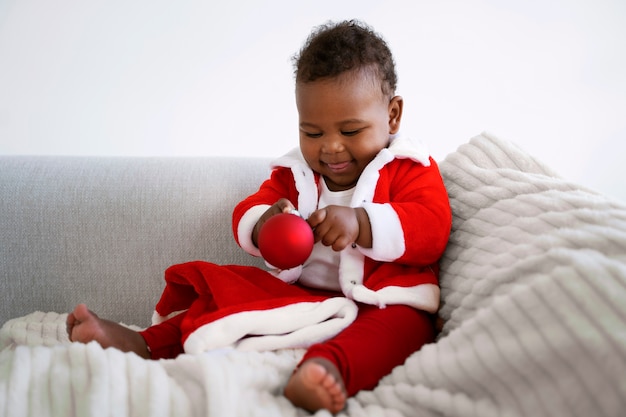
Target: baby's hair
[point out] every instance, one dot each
(335, 48)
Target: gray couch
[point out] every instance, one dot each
(103, 230)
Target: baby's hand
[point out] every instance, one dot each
(335, 226)
(281, 206)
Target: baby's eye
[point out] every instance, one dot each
(350, 132)
(313, 135)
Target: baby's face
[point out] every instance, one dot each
(344, 122)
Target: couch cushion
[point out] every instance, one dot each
(103, 230)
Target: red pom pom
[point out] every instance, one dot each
(285, 240)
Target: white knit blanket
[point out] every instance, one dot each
(533, 298)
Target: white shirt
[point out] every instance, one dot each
(321, 270)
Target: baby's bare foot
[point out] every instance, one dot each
(317, 385)
(85, 326)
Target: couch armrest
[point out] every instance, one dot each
(102, 230)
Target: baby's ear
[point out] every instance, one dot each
(395, 114)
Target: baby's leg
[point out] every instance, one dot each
(316, 385)
(85, 326)
(358, 357)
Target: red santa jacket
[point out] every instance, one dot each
(407, 204)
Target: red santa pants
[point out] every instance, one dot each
(376, 342)
(164, 340)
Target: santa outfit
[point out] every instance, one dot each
(394, 283)
(407, 205)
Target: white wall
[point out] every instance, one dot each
(162, 77)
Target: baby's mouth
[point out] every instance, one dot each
(338, 166)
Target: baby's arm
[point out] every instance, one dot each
(339, 226)
(247, 213)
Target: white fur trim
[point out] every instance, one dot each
(364, 295)
(304, 179)
(366, 186)
(246, 226)
(291, 326)
(387, 233)
(351, 270)
(402, 147)
(288, 160)
(286, 275)
(157, 318)
(421, 297)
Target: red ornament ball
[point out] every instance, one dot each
(285, 240)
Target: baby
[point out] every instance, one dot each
(378, 208)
